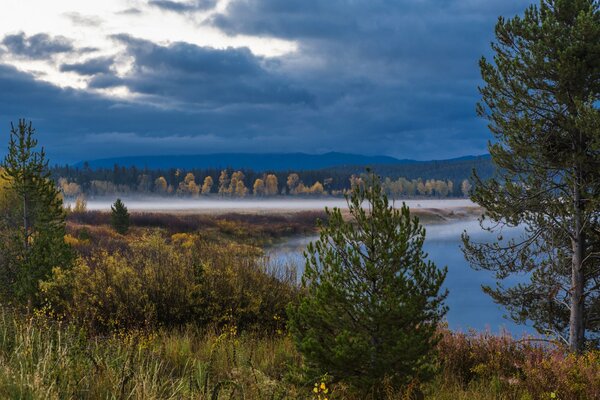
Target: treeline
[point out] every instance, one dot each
(229, 183)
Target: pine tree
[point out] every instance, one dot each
(541, 99)
(373, 302)
(119, 217)
(34, 227)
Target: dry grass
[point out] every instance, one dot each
(41, 359)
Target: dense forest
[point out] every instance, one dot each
(432, 178)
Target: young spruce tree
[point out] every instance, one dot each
(119, 217)
(33, 228)
(541, 97)
(373, 302)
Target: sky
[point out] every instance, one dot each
(130, 77)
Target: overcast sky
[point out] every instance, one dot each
(130, 77)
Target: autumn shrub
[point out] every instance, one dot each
(150, 284)
(170, 282)
(465, 357)
(524, 369)
(241, 290)
(566, 375)
(89, 239)
(248, 225)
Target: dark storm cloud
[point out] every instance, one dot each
(38, 46)
(183, 6)
(75, 125)
(94, 66)
(375, 77)
(183, 72)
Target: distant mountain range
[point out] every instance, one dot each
(270, 161)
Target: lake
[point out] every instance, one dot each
(469, 306)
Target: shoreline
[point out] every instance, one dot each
(429, 210)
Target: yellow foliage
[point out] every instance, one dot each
(207, 185)
(259, 187)
(271, 185)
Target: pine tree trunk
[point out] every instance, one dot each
(25, 226)
(576, 327)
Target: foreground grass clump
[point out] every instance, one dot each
(43, 359)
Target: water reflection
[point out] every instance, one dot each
(469, 306)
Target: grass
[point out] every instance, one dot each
(43, 359)
(40, 359)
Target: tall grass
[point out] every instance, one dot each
(40, 359)
(45, 359)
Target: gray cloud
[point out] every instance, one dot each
(183, 6)
(94, 66)
(183, 72)
(38, 46)
(84, 20)
(130, 11)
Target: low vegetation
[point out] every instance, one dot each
(40, 359)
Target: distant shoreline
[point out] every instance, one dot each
(429, 210)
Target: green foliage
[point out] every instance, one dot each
(541, 98)
(373, 302)
(119, 218)
(40, 359)
(32, 226)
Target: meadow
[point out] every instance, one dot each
(118, 326)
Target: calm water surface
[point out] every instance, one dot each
(469, 306)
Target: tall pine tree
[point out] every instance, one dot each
(34, 226)
(541, 97)
(373, 301)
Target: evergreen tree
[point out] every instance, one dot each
(373, 302)
(541, 98)
(119, 217)
(33, 228)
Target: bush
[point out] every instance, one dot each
(158, 282)
(152, 283)
(240, 289)
(524, 368)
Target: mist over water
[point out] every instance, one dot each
(469, 306)
(214, 204)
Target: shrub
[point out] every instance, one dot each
(509, 367)
(239, 288)
(152, 283)
(158, 282)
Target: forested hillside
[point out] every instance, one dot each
(446, 178)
